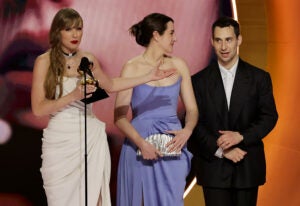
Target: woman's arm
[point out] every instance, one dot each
(191, 110)
(122, 83)
(188, 98)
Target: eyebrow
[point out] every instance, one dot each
(226, 38)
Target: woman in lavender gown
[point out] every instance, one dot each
(148, 175)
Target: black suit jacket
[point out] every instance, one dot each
(252, 112)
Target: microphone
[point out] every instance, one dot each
(85, 67)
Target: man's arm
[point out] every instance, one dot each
(202, 142)
(267, 114)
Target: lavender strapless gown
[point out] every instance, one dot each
(160, 182)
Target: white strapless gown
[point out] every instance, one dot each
(63, 164)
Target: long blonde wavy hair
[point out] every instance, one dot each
(64, 18)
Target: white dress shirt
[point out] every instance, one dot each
(228, 76)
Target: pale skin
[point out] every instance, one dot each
(70, 40)
(141, 64)
(226, 44)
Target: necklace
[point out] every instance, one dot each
(69, 54)
(71, 63)
(161, 61)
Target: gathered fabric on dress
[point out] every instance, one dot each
(158, 182)
(63, 155)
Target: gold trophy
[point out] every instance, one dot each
(87, 77)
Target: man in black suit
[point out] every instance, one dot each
(236, 111)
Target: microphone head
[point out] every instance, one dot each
(84, 64)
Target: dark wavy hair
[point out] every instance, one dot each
(226, 22)
(143, 30)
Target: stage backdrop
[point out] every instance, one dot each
(24, 27)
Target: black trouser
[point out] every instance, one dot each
(230, 196)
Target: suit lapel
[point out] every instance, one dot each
(239, 92)
(217, 93)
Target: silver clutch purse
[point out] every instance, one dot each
(159, 141)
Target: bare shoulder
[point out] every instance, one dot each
(41, 66)
(43, 57)
(180, 64)
(43, 60)
(133, 67)
(177, 61)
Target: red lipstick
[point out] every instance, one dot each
(74, 41)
